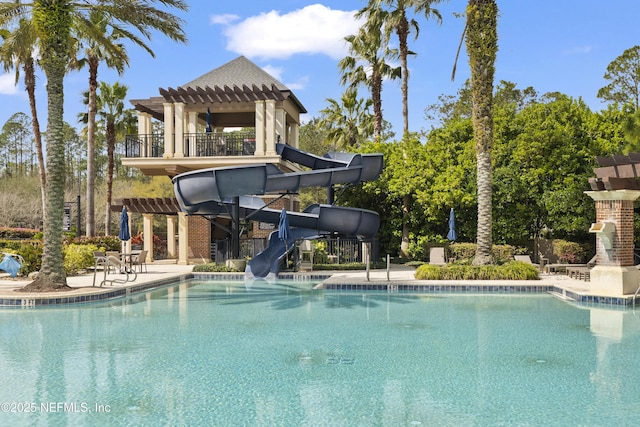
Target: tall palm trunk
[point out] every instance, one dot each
(482, 45)
(30, 86)
(111, 142)
(53, 21)
(376, 97)
(90, 222)
(403, 32)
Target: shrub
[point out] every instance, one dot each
(569, 252)
(31, 251)
(343, 266)
(513, 270)
(212, 267)
(78, 257)
(465, 252)
(18, 233)
(104, 243)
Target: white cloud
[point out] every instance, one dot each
(300, 84)
(577, 50)
(275, 72)
(314, 29)
(8, 84)
(225, 19)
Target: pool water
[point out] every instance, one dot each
(226, 354)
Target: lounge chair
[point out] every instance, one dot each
(11, 263)
(437, 256)
(526, 259)
(552, 268)
(581, 271)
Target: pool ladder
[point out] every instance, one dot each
(635, 296)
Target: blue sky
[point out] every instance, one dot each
(552, 45)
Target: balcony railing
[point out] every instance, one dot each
(194, 144)
(150, 145)
(219, 144)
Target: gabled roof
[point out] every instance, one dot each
(238, 72)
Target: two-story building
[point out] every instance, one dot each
(234, 115)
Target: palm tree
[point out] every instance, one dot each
(482, 45)
(396, 21)
(53, 21)
(367, 66)
(98, 45)
(110, 106)
(16, 51)
(348, 121)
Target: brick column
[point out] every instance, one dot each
(614, 272)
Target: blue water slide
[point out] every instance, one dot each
(213, 191)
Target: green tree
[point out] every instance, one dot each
(482, 45)
(110, 106)
(19, 143)
(623, 74)
(397, 20)
(348, 122)
(367, 65)
(97, 44)
(53, 22)
(17, 51)
(542, 171)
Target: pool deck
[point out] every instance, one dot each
(398, 278)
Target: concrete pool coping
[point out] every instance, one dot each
(397, 279)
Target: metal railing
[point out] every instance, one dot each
(149, 145)
(194, 144)
(334, 250)
(219, 144)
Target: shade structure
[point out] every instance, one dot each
(451, 235)
(209, 130)
(124, 233)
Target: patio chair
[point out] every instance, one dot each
(437, 256)
(139, 259)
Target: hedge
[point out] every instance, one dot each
(513, 270)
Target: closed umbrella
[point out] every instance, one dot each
(124, 233)
(451, 235)
(208, 120)
(284, 230)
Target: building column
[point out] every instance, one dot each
(270, 122)
(280, 126)
(260, 126)
(614, 273)
(144, 133)
(147, 230)
(183, 239)
(179, 129)
(171, 237)
(295, 135)
(168, 130)
(192, 129)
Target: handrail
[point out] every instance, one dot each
(635, 296)
(111, 261)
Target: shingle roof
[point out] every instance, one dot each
(238, 72)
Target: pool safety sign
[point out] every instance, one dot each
(66, 218)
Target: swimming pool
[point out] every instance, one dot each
(221, 353)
